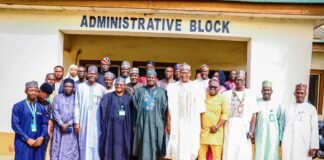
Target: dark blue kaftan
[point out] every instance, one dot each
(116, 128)
(21, 121)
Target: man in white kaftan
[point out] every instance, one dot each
(300, 140)
(186, 103)
(240, 127)
(86, 117)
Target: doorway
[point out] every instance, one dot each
(165, 51)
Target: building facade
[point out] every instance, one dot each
(268, 40)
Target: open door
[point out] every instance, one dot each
(316, 89)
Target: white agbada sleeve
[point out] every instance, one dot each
(171, 97)
(199, 105)
(200, 99)
(77, 106)
(314, 141)
(281, 120)
(253, 102)
(171, 146)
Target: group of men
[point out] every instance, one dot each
(101, 116)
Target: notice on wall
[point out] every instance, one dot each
(155, 24)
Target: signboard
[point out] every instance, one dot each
(155, 24)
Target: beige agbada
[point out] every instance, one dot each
(186, 103)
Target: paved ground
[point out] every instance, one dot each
(7, 157)
(12, 158)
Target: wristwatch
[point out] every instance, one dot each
(216, 127)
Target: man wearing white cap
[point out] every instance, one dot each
(124, 71)
(239, 129)
(134, 84)
(109, 79)
(186, 103)
(300, 140)
(86, 115)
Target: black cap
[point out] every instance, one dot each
(68, 80)
(47, 88)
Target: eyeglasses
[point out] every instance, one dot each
(212, 87)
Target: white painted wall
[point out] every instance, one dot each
(31, 44)
(282, 55)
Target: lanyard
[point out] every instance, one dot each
(32, 109)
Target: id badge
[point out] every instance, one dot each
(122, 113)
(271, 117)
(33, 127)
